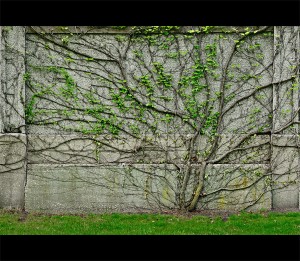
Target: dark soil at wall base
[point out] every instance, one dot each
(208, 213)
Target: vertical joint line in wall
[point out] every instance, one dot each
(1, 81)
(26, 128)
(298, 73)
(298, 70)
(273, 115)
(273, 85)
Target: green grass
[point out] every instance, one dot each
(150, 224)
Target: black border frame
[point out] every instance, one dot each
(150, 12)
(123, 12)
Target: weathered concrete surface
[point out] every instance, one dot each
(241, 149)
(127, 29)
(237, 187)
(12, 120)
(102, 188)
(138, 187)
(12, 170)
(64, 149)
(97, 45)
(103, 149)
(286, 68)
(91, 149)
(285, 171)
(251, 113)
(2, 74)
(285, 157)
(12, 92)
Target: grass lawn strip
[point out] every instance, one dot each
(272, 223)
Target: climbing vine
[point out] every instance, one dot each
(197, 95)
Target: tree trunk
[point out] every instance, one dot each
(199, 188)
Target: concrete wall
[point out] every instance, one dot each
(58, 161)
(13, 140)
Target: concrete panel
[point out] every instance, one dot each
(286, 78)
(128, 29)
(285, 170)
(243, 149)
(65, 149)
(2, 80)
(102, 188)
(12, 94)
(235, 187)
(71, 112)
(248, 89)
(75, 149)
(12, 170)
(141, 187)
